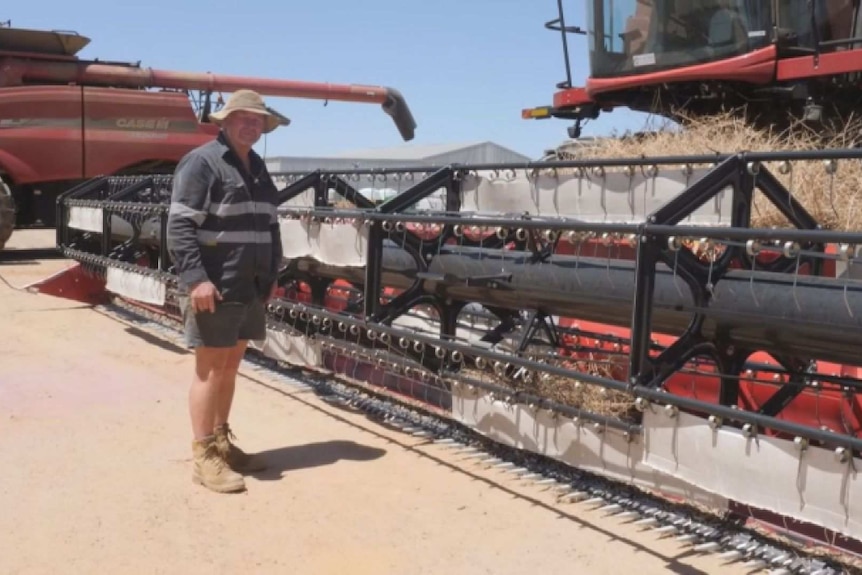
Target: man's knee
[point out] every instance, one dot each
(212, 360)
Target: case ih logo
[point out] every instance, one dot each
(143, 123)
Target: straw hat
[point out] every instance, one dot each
(250, 101)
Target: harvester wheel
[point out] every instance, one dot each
(7, 214)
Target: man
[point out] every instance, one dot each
(224, 240)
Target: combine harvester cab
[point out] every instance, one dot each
(774, 62)
(619, 317)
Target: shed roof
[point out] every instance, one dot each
(411, 151)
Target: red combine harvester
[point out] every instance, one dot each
(775, 60)
(64, 120)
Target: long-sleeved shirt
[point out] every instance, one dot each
(222, 224)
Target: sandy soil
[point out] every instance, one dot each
(95, 439)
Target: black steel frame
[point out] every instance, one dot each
(439, 358)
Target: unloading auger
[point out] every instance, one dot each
(624, 317)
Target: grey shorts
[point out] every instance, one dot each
(230, 323)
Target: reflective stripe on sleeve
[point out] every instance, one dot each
(242, 208)
(183, 211)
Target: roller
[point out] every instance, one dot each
(805, 316)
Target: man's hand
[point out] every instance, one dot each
(203, 297)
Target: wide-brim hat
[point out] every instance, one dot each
(250, 101)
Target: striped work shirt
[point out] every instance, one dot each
(222, 224)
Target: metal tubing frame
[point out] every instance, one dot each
(674, 161)
(321, 182)
(741, 171)
(653, 395)
(306, 327)
(645, 264)
(540, 223)
(733, 171)
(373, 269)
(744, 178)
(420, 190)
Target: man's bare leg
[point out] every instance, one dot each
(210, 469)
(236, 457)
(206, 388)
(228, 383)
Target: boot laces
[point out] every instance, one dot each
(228, 432)
(212, 455)
(233, 451)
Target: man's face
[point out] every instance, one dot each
(244, 128)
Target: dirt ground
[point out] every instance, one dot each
(95, 443)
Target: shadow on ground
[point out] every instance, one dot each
(157, 341)
(314, 455)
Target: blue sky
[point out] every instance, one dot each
(465, 67)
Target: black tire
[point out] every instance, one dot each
(7, 214)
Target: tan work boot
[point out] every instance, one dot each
(211, 471)
(236, 458)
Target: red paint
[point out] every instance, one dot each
(830, 64)
(17, 70)
(757, 67)
(97, 142)
(75, 284)
(572, 97)
(826, 407)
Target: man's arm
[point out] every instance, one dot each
(190, 202)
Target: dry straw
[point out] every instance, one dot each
(569, 391)
(830, 192)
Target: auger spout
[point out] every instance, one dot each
(15, 71)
